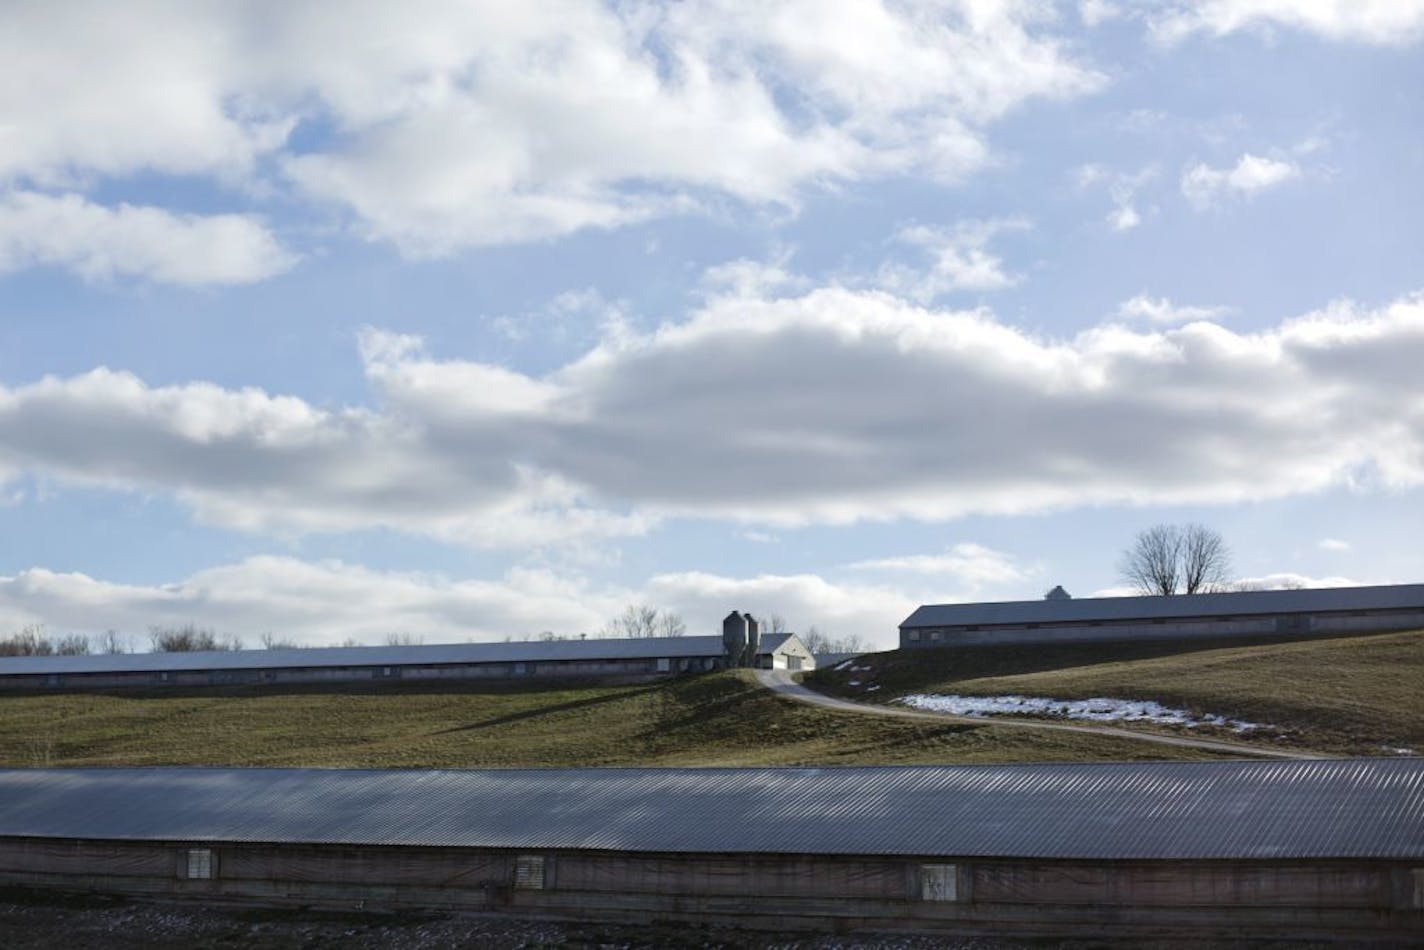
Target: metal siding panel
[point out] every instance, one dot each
(1289, 809)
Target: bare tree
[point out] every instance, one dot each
(1206, 562)
(815, 640)
(270, 641)
(671, 625)
(1165, 557)
(776, 624)
(29, 641)
(111, 641)
(1152, 563)
(820, 644)
(643, 620)
(72, 644)
(404, 639)
(189, 639)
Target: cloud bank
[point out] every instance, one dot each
(439, 125)
(100, 243)
(330, 602)
(830, 406)
(1378, 22)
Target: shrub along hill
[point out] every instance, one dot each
(714, 719)
(1361, 695)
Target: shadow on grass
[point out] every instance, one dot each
(548, 710)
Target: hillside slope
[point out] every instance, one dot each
(716, 719)
(1361, 695)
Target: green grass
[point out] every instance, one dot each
(716, 719)
(1360, 695)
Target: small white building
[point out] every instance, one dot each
(784, 651)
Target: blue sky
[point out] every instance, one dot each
(466, 322)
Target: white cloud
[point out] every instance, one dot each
(832, 406)
(1204, 186)
(1382, 22)
(439, 124)
(100, 243)
(318, 604)
(1287, 580)
(1162, 311)
(1122, 187)
(1334, 545)
(327, 602)
(870, 612)
(972, 565)
(1124, 218)
(1095, 12)
(958, 260)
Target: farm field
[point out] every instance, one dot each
(715, 719)
(1351, 695)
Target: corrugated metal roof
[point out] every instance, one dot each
(1361, 808)
(1235, 603)
(515, 652)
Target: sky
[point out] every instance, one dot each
(461, 321)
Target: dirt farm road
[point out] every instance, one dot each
(780, 681)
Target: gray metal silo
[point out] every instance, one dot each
(734, 638)
(749, 658)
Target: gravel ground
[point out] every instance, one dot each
(30, 920)
(87, 923)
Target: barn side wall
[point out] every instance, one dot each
(1303, 626)
(1345, 900)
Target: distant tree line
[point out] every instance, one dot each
(31, 641)
(822, 643)
(636, 620)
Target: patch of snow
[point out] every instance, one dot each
(1399, 750)
(871, 689)
(853, 683)
(1093, 710)
(842, 665)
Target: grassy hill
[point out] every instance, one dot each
(1361, 695)
(717, 719)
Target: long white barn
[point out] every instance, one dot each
(1303, 613)
(598, 658)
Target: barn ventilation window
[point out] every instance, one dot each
(200, 864)
(529, 872)
(939, 882)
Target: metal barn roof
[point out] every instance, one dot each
(1235, 603)
(1361, 808)
(533, 651)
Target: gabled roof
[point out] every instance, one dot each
(445, 653)
(771, 642)
(1339, 808)
(1236, 603)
